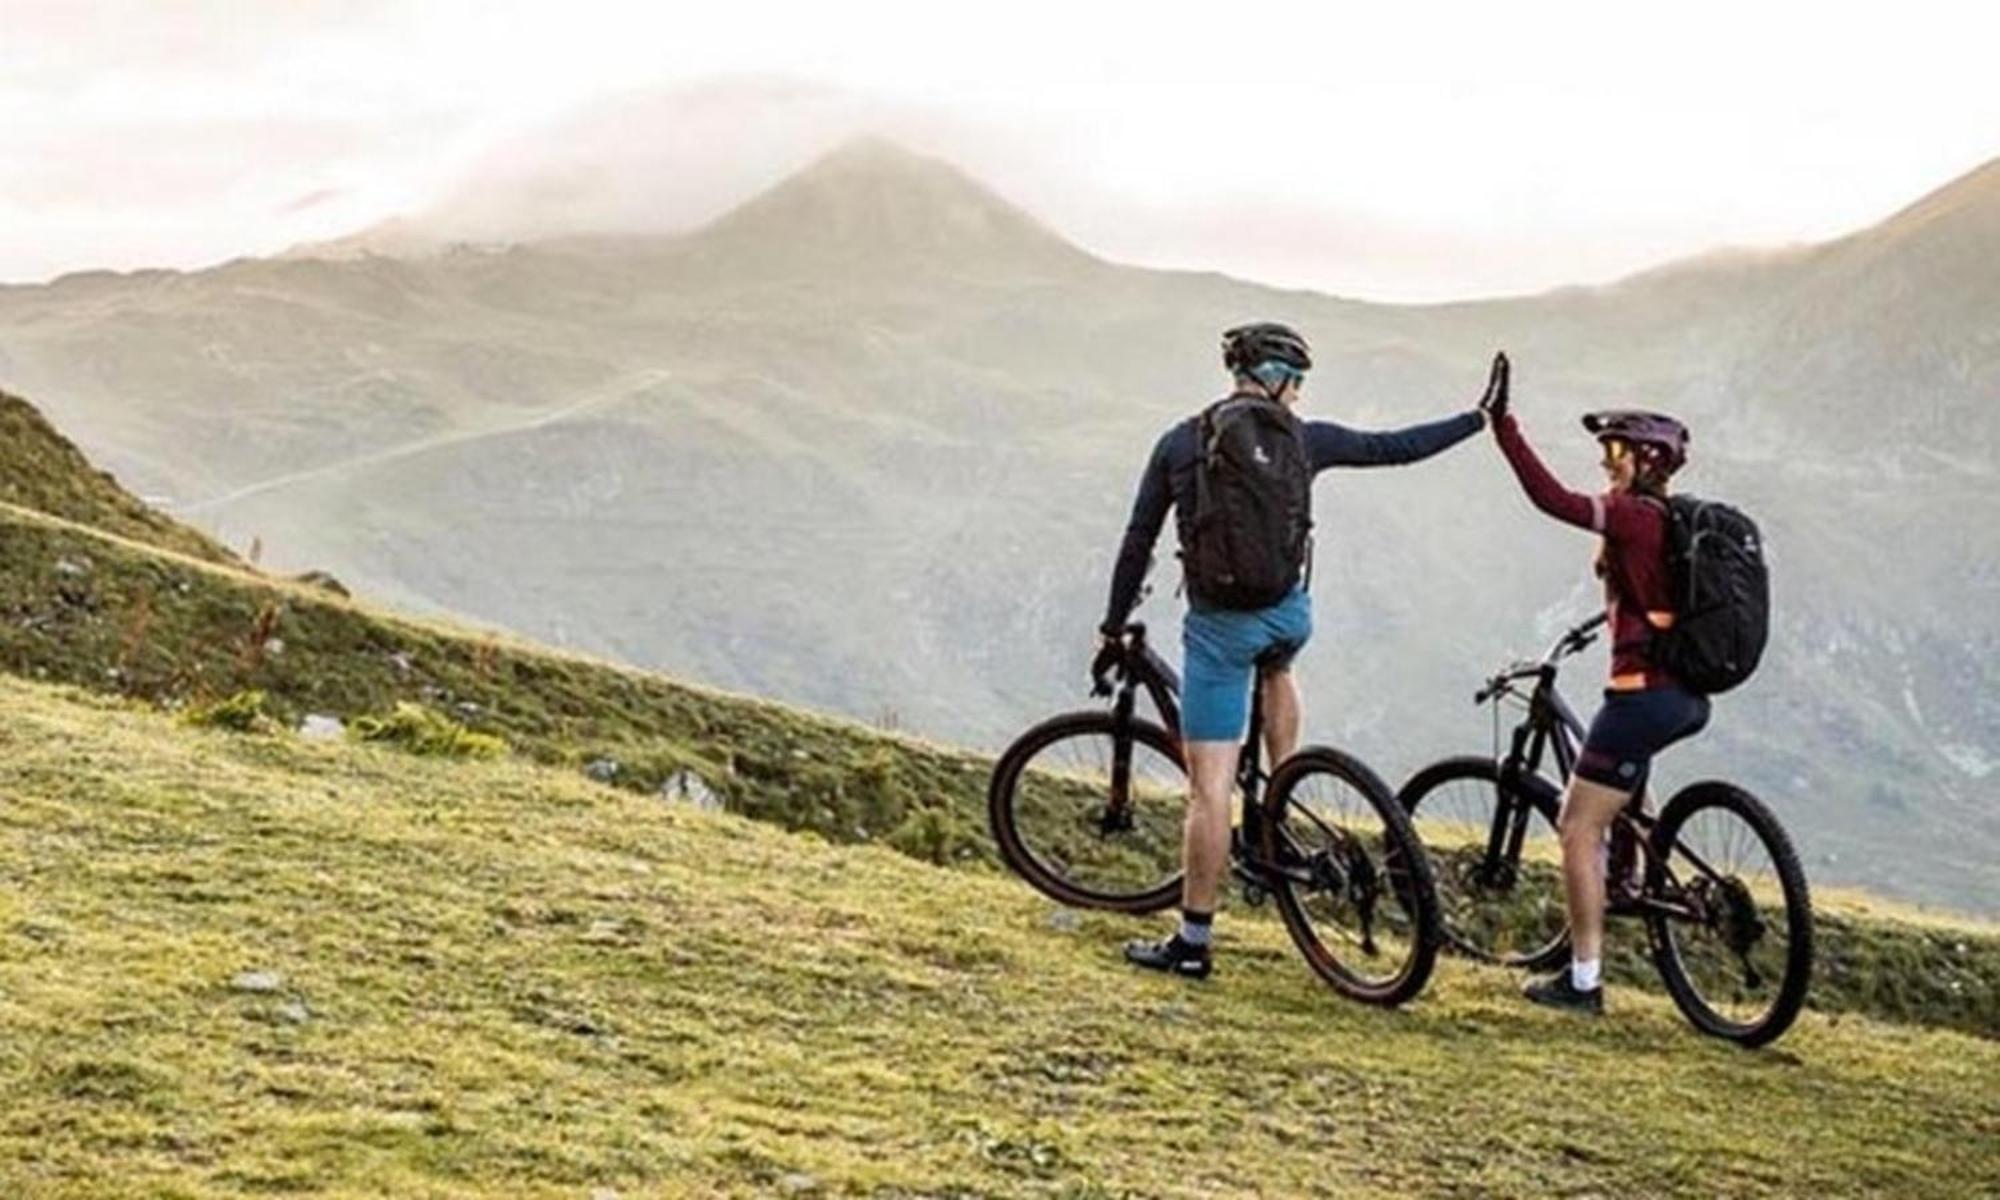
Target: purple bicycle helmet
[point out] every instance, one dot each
(1666, 436)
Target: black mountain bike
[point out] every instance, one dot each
(1714, 877)
(1088, 807)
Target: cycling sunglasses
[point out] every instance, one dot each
(1274, 374)
(1616, 450)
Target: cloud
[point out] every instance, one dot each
(1512, 148)
(311, 200)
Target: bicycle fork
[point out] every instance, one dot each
(1512, 809)
(1117, 815)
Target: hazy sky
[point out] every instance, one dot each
(1388, 150)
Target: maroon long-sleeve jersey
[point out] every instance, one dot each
(1638, 594)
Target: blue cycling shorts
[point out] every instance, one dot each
(1221, 650)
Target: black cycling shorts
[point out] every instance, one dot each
(1634, 726)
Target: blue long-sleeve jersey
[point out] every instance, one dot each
(1168, 481)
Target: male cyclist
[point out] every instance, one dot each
(1645, 708)
(1223, 646)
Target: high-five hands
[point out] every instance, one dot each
(1494, 402)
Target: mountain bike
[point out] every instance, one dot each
(1727, 914)
(1088, 807)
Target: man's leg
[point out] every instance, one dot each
(1204, 858)
(1215, 695)
(1282, 711)
(1205, 841)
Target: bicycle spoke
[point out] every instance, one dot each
(1073, 821)
(1493, 903)
(1733, 948)
(1348, 886)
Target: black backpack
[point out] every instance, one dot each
(1252, 505)
(1722, 596)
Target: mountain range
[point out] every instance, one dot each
(866, 442)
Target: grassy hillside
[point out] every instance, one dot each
(112, 615)
(43, 470)
(241, 965)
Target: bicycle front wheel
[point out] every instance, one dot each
(1732, 930)
(1350, 877)
(1089, 810)
(1497, 859)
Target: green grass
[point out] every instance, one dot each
(1872, 958)
(498, 979)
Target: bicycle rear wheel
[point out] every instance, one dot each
(1350, 877)
(1090, 810)
(1497, 859)
(1736, 954)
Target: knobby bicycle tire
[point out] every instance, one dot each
(1288, 841)
(1045, 870)
(1662, 931)
(1476, 915)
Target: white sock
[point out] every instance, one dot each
(1583, 973)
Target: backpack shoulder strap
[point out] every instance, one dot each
(1627, 594)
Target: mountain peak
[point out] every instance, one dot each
(876, 152)
(1972, 200)
(873, 199)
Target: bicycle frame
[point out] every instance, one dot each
(1553, 728)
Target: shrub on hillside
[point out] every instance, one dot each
(422, 730)
(243, 712)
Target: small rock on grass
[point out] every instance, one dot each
(798, 1184)
(320, 727)
(258, 982)
(689, 788)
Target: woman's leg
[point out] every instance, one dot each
(1587, 813)
(1616, 759)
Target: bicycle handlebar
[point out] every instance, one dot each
(1572, 641)
(1506, 675)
